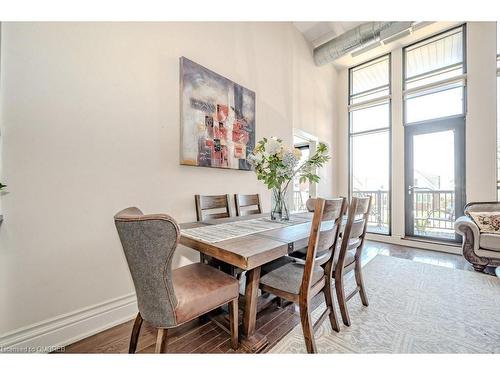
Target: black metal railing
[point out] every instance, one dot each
(434, 210)
(378, 221)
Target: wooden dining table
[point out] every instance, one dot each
(249, 253)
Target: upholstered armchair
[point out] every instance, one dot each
(168, 298)
(480, 249)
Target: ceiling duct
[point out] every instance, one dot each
(357, 38)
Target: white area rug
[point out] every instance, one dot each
(414, 308)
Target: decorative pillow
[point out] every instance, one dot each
(488, 222)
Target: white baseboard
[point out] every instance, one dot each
(66, 329)
(396, 240)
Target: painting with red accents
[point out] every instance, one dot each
(217, 119)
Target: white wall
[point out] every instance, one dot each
(90, 125)
(480, 128)
(481, 120)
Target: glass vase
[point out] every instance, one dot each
(279, 205)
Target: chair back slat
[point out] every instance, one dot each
(357, 228)
(149, 243)
(326, 239)
(212, 206)
(247, 204)
(331, 210)
(363, 205)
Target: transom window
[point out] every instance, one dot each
(434, 78)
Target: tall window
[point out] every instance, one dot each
(369, 136)
(434, 119)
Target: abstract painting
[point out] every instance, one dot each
(217, 119)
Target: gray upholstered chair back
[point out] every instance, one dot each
(149, 243)
(482, 207)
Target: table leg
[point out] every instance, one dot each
(252, 341)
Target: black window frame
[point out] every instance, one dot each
(350, 134)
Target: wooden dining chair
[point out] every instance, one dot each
(168, 298)
(212, 206)
(300, 283)
(247, 204)
(349, 254)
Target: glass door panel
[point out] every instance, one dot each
(370, 176)
(434, 180)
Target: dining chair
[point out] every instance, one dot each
(169, 298)
(247, 204)
(212, 206)
(300, 283)
(349, 255)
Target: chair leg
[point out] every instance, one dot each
(330, 304)
(359, 282)
(339, 289)
(161, 341)
(307, 328)
(233, 321)
(134, 337)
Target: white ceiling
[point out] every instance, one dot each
(318, 33)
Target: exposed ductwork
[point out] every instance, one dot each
(357, 38)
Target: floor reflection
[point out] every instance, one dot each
(437, 258)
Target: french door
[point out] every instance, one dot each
(435, 178)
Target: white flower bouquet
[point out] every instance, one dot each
(276, 165)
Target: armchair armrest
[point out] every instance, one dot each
(465, 226)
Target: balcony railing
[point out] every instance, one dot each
(378, 221)
(434, 211)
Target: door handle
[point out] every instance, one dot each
(412, 187)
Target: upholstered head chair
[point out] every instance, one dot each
(167, 298)
(149, 243)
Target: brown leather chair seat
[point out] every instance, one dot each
(200, 288)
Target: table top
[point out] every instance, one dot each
(253, 250)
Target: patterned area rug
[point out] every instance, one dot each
(414, 308)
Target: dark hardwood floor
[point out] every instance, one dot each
(212, 336)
